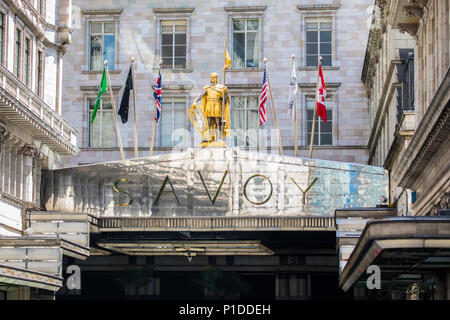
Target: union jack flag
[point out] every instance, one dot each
(263, 100)
(157, 95)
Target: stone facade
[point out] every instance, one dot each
(409, 117)
(33, 135)
(209, 24)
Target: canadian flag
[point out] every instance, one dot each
(321, 95)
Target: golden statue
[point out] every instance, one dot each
(214, 124)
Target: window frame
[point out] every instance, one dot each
(102, 43)
(317, 14)
(18, 57)
(248, 13)
(318, 23)
(99, 114)
(310, 96)
(173, 33)
(27, 72)
(4, 31)
(245, 31)
(164, 109)
(172, 14)
(232, 109)
(100, 16)
(39, 83)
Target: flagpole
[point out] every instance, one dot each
(154, 120)
(136, 153)
(315, 110)
(119, 139)
(273, 109)
(223, 98)
(295, 117)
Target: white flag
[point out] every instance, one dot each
(292, 89)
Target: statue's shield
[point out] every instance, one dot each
(198, 118)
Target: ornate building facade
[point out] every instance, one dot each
(34, 36)
(189, 37)
(406, 73)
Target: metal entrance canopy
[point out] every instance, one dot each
(214, 183)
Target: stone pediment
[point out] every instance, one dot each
(214, 183)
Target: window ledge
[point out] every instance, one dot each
(316, 7)
(246, 9)
(100, 71)
(174, 70)
(106, 12)
(315, 68)
(246, 70)
(96, 88)
(172, 10)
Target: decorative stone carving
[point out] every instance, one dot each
(410, 28)
(419, 3)
(413, 11)
(443, 203)
(29, 151)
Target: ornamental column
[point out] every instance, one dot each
(29, 153)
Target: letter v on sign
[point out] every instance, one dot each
(216, 194)
(306, 190)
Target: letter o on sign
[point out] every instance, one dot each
(245, 189)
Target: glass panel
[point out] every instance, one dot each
(325, 48)
(311, 48)
(326, 60)
(326, 127)
(166, 127)
(252, 49)
(167, 62)
(180, 38)
(238, 102)
(238, 50)
(167, 51)
(238, 24)
(96, 53)
(311, 61)
(108, 133)
(325, 25)
(326, 139)
(311, 26)
(252, 119)
(311, 36)
(167, 28)
(180, 51)
(180, 122)
(166, 39)
(180, 63)
(110, 28)
(94, 131)
(325, 36)
(109, 53)
(180, 28)
(179, 104)
(252, 24)
(96, 28)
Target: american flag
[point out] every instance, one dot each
(263, 100)
(157, 95)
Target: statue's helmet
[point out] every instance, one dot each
(214, 77)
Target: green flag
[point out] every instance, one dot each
(103, 86)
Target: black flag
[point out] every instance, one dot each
(125, 103)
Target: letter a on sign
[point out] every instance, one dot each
(167, 179)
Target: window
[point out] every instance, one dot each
(318, 43)
(2, 35)
(18, 45)
(39, 73)
(27, 59)
(245, 121)
(323, 131)
(101, 132)
(173, 44)
(173, 122)
(40, 6)
(102, 44)
(245, 43)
